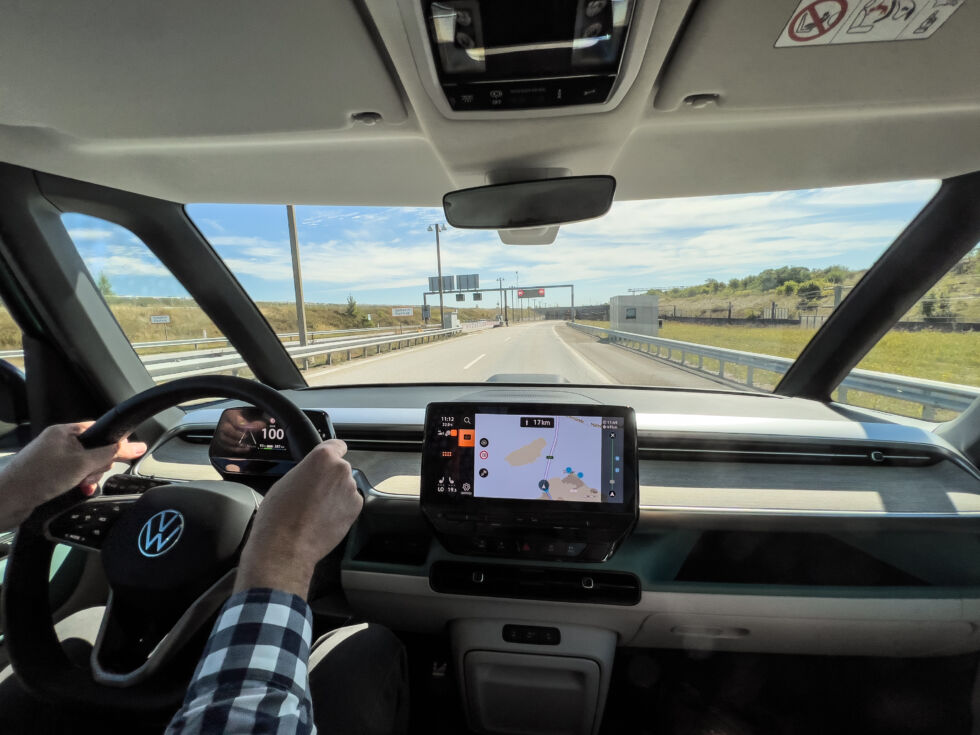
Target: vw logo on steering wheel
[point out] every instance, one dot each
(161, 533)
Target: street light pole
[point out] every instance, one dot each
(500, 298)
(517, 285)
(442, 312)
(297, 274)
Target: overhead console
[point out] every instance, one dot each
(493, 56)
(530, 481)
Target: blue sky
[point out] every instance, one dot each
(383, 255)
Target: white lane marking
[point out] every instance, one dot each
(474, 362)
(359, 361)
(602, 377)
(508, 339)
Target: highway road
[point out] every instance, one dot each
(530, 352)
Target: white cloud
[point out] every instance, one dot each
(240, 240)
(125, 265)
(638, 244)
(85, 234)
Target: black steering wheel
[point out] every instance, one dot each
(169, 557)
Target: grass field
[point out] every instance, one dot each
(188, 321)
(944, 356)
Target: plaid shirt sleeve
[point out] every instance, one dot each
(252, 676)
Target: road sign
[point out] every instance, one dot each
(402, 311)
(530, 293)
(461, 297)
(447, 283)
(426, 312)
(478, 296)
(469, 282)
(160, 319)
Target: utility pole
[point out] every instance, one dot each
(297, 277)
(517, 285)
(437, 227)
(500, 297)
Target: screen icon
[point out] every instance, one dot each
(484, 442)
(483, 472)
(484, 454)
(467, 437)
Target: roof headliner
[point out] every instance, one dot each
(251, 102)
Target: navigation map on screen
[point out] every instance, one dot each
(547, 457)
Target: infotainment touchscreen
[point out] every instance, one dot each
(530, 480)
(562, 454)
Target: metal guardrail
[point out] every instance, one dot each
(932, 395)
(200, 363)
(8, 354)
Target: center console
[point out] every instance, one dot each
(530, 481)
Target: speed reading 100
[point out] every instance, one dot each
(537, 422)
(272, 433)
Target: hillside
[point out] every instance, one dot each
(188, 321)
(811, 291)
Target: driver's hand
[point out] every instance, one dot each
(52, 464)
(302, 518)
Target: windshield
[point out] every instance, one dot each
(632, 298)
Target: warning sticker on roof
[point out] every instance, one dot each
(825, 22)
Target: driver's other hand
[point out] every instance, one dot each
(54, 463)
(301, 520)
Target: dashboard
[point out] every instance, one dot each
(756, 523)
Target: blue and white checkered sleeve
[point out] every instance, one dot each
(252, 677)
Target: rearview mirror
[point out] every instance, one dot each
(537, 203)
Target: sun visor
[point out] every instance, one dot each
(757, 54)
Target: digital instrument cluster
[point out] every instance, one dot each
(251, 443)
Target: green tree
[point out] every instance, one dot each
(937, 308)
(835, 274)
(353, 315)
(105, 285)
(809, 291)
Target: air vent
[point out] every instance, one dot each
(380, 439)
(535, 583)
(196, 436)
(715, 450)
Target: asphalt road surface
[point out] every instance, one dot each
(525, 352)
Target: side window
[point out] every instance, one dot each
(14, 432)
(169, 331)
(928, 365)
